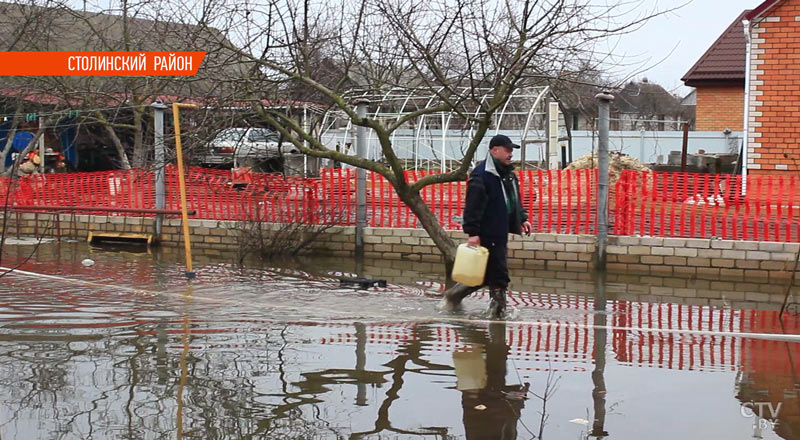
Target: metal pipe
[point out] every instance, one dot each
(160, 158)
(743, 158)
(307, 129)
(41, 147)
(23, 208)
(604, 103)
(361, 178)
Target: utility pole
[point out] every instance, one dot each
(361, 178)
(604, 100)
(41, 146)
(160, 157)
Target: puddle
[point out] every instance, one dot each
(286, 352)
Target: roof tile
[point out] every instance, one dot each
(724, 60)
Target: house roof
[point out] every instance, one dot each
(724, 61)
(690, 99)
(645, 98)
(761, 9)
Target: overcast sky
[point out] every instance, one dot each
(679, 39)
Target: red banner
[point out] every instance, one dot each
(100, 63)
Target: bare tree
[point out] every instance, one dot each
(452, 50)
(279, 56)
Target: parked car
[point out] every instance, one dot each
(252, 147)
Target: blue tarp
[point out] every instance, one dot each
(21, 140)
(67, 134)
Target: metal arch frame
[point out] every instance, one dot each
(531, 112)
(472, 124)
(399, 115)
(503, 112)
(445, 127)
(393, 95)
(419, 128)
(375, 116)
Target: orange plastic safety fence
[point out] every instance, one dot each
(662, 204)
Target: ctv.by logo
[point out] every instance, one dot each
(759, 410)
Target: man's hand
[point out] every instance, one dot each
(474, 241)
(526, 228)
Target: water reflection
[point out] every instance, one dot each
(598, 374)
(259, 352)
(491, 408)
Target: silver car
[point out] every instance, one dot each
(244, 147)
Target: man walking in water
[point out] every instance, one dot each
(493, 209)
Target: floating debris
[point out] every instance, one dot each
(362, 283)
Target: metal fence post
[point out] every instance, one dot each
(41, 147)
(160, 162)
(361, 178)
(604, 100)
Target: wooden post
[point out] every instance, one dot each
(182, 185)
(685, 146)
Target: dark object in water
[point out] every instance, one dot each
(120, 237)
(362, 283)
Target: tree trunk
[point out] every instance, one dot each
(123, 157)
(139, 152)
(12, 133)
(431, 224)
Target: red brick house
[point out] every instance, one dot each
(718, 77)
(773, 88)
(766, 39)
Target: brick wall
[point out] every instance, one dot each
(695, 258)
(702, 258)
(774, 113)
(203, 233)
(719, 108)
(539, 251)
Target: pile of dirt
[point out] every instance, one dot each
(616, 164)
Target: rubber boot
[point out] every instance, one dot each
(497, 305)
(454, 295)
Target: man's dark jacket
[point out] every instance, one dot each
(485, 212)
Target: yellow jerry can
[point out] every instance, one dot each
(470, 266)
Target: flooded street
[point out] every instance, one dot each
(127, 349)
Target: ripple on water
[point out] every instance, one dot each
(156, 314)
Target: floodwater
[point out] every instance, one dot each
(127, 349)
